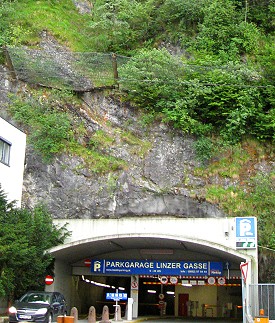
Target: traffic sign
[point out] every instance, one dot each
(246, 245)
(164, 279)
(87, 262)
(49, 280)
(244, 270)
(221, 280)
(173, 280)
(161, 296)
(211, 280)
(246, 233)
(116, 296)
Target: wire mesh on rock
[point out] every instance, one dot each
(66, 70)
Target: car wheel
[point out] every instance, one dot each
(50, 318)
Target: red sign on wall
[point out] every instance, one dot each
(87, 262)
(49, 280)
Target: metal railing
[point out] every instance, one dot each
(262, 300)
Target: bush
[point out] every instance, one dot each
(51, 129)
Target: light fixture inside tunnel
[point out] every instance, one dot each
(157, 251)
(100, 284)
(151, 291)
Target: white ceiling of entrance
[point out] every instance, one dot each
(143, 248)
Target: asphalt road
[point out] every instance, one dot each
(175, 320)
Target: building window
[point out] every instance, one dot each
(4, 151)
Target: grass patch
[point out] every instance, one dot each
(101, 140)
(231, 161)
(53, 130)
(62, 20)
(141, 147)
(232, 200)
(95, 161)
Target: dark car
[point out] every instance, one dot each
(35, 306)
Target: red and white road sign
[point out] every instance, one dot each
(134, 285)
(164, 279)
(221, 280)
(244, 270)
(87, 262)
(173, 280)
(49, 280)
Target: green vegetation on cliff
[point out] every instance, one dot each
(207, 67)
(221, 83)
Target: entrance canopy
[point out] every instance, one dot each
(152, 239)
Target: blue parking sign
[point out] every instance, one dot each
(246, 233)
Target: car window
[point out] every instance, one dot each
(34, 298)
(48, 298)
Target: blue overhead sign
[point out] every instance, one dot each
(246, 233)
(116, 296)
(143, 267)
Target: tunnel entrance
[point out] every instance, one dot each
(185, 298)
(203, 254)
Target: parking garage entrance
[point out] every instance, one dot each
(177, 290)
(181, 267)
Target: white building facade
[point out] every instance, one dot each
(12, 158)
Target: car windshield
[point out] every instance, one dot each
(36, 298)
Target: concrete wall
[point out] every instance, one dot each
(11, 176)
(216, 301)
(216, 233)
(65, 282)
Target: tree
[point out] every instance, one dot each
(203, 97)
(223, 30)
(25, 236)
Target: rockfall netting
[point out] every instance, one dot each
(65, 70)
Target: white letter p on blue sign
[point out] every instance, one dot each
(245, 227)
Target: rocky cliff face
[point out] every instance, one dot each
(157, 178)
(158, 170)
(153, 182)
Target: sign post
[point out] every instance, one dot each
(116, 307)
(117, 297)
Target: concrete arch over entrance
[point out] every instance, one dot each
(154, 238)
(119, 243)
